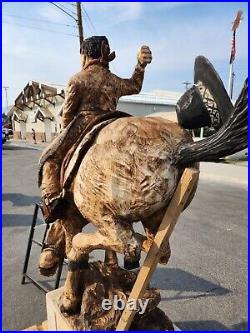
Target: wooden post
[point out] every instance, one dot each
(79, 24)
(180, 197)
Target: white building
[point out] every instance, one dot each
(39, 107)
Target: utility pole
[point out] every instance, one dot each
(186, 83)
(79, 23)
(80, 31)
(7, 104)
(6, 96)
(78, 20)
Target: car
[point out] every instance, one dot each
(7, 131)
(3, 137)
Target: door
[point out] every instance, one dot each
(23, 130)
(47, 125)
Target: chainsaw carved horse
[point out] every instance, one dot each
(131, 169)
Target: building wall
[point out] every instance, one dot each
(40, 137)
(38, 125)
(138, 109)
(17, 135)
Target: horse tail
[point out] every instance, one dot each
(230, 138)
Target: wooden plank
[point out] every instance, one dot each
(180, 197)
(56, 320)
(41, 327)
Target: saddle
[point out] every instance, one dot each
(74, 156)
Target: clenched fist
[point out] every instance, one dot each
(144, 56)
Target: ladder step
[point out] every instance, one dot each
(37, 242)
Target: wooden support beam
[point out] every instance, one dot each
(37, 104)
(18, 107)
(49, 101)
(27, 106)
(62, 96)
(180, 197)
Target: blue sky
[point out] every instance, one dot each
(38, 48)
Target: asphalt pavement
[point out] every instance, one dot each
(204, 286)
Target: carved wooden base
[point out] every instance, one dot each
(106, 282)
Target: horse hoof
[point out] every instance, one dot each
(68, 306)
(48, 262)
(164, 260)
(129, 265)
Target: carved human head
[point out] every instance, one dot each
(91, 46)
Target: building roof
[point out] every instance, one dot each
(19, 115)
(34, 91)
(155, 97)
(44, 113)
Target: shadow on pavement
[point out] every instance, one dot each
(186, 285)
(209, 325)
(11, 147)
(18, 220)
(20, 200)
(243, 326)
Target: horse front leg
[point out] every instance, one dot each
(82, 245)
(73, 224)
(112, 237)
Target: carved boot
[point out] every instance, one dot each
(53, 208)
(53, 202)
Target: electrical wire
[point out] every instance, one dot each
(63, 6)
(89, 19)
(40, 20)
(37, 28)
(53, 3)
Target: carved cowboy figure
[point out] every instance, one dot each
(91, 92)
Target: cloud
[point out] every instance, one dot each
(116, 12)
(175, 41)
(50, 12)
(175, 47)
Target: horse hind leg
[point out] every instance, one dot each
(151, 225)
(111, 258)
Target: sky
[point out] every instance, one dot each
(40, 42)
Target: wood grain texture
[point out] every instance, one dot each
(175, 207)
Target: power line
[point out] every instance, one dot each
(89, 19)
(186, 84)
(53, 3)
(66, 8)
(37, 28)
(40, 20)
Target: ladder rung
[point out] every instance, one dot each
(38, 284)
(37, 242)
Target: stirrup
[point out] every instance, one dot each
(53, 209)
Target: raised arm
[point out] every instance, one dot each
(71, 103)
(134, 84)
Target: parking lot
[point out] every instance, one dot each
(204, 286)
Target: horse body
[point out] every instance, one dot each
(127, 173)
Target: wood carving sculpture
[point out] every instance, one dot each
(128, 174)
